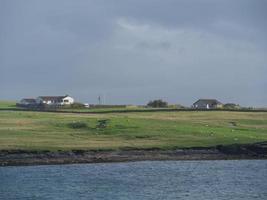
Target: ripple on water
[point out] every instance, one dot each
(240, 179)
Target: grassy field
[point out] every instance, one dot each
(7, 104)
(142, 130)
(118, 109)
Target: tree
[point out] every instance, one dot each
(231, 106)
(157, 104)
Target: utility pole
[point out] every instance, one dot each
(99, 100)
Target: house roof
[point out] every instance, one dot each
(208, 101)
(29, 100)
(52, 98)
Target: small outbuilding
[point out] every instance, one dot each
(28, 102)
(207, 104)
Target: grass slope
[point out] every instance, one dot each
(142, 130)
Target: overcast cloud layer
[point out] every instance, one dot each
(132, 51)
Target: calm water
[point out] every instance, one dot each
(198, 180)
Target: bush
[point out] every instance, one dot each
(157, 104)
(77, 105)
(77, 125)
(102, 123)
(231, 106)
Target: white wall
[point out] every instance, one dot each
(67, 100)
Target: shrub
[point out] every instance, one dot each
(157, 104)
(231, 106)
(102, 123)
(77, 105)
(77, 125)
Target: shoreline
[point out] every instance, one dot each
(229, 152)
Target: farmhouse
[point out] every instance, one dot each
(207, 104)
(55, 100)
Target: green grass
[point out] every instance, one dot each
(117, 109)
(140, 130)
(7, 104)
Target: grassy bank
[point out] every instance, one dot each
(142, 130)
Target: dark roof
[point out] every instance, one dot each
(52, 98)
(208, 101)
(29, 100)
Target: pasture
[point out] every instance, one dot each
(20, 130)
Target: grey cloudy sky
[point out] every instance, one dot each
(132, 51)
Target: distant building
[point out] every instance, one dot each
(207, 104)
(27, 102)
(55, 100)
(86, 105)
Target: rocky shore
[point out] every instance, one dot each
(235, 151)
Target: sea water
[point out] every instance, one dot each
(194, 180)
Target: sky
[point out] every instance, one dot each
(133, 51)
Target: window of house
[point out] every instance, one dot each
(66, 101)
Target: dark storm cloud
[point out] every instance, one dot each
(197, 14)
(132, 51)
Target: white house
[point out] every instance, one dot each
(55, 100)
